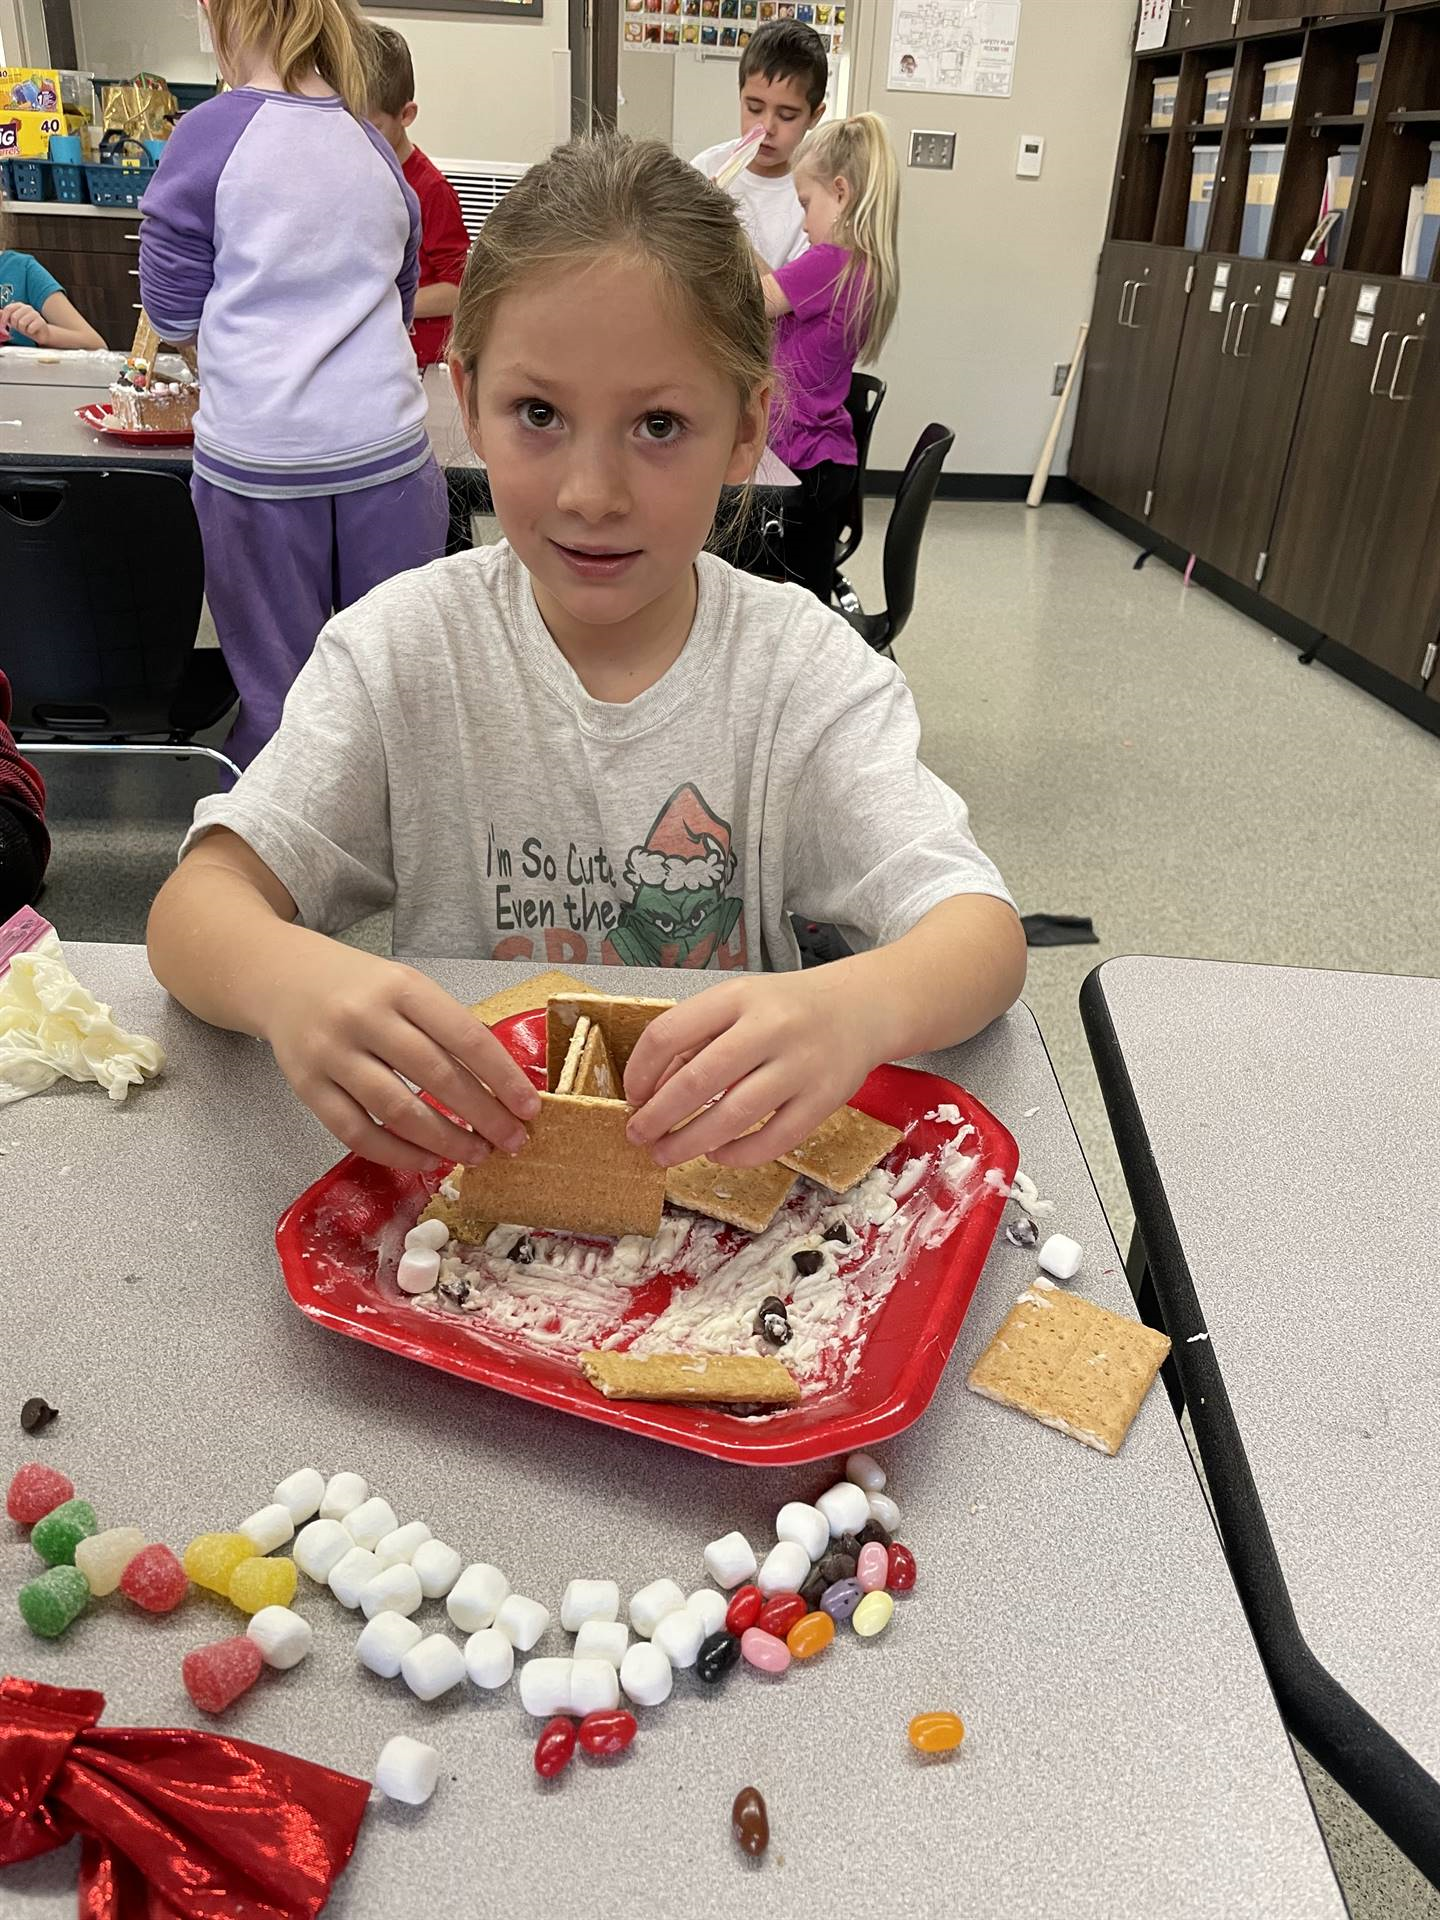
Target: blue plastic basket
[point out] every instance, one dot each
(30, 179)
(67, 181)
(117, 186)
(7, 184)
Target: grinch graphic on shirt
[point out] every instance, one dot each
(679, 913)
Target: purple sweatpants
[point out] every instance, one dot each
(275, 571)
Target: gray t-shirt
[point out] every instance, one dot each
(437, 754)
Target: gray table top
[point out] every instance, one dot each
(1124, 1753)
(1294, 1117)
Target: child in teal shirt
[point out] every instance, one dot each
(34, 309)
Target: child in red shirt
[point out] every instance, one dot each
(24, 843)
(444, 243)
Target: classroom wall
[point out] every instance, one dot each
(121, 37)
(488, 89)
(647, 95)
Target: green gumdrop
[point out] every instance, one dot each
(56, 1537)
(53, 1599)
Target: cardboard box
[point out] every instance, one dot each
(32, 107)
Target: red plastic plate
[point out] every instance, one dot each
(330, 1246)
(98, 415)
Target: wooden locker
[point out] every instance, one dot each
(1195, 22)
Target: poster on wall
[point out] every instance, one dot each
(725, 26)
(1154, 24)
(954, 46)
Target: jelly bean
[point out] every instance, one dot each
(901, 1569)
(866, 1471)
(53, 1599)
(872, 1531)
(56, 1537)
(810, 1635)
(764, 1651)
(216, 1676)
(872, 1616)
(841, 1599)
(884, 1510)
(838, 1566)
(873, 1569)
(155, 1580)
(607, 1732)
(211, 1558)
(780, 1612)
(555, 1748)
(749, 1822)
(744, 1609)
(936, 1732)
(35, 1491)
(717, 1655)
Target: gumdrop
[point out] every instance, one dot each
(35, 1491)
(56, 1537)
(217, 1675)
(155, 1580)
(104, 1557)
(211, 1558)
(53, 1599)
(259, 1582)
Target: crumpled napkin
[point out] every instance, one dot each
(50, 1025)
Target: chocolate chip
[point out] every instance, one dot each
(523, 1251)
(36, 1414)
(839, 1235)
(1023, 1232)
(772, 1322)
(455, 1288)
(872, 1530)
(809, 1261)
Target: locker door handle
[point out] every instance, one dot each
(1248, 308)
(1409, 341)
(1385, 340)
(1124, 291)
(1139, 289)
(1229, 318)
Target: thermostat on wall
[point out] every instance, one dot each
(1031, 156)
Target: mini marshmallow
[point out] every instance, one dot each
(418, 1270)
(594, 1687)
(343, 1493)
(489, 1658)
(645, 1675)
(786, 1568)
(368, 1524)
(428, 1233)
(437, 1568)
(283, 1637)
(729, 1560)
(319, 1547)
(884, 1509)
(1060, 1257)
(545, 1687)
(476, 1596)
(385, 1642)
(522, 1621)
(678, 1636)
(401, 1545)
(407, 1770)
(846, 1507)
(651, 1604)
(866, 1471)
(271, 1527)
(806, 1526)
(589, 1600)
(709, 1607)
(602, 1640)
(350, 1577)
(432, 1667)
(300, 1494)
(393, 1590)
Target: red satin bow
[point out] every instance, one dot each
(175, 1823)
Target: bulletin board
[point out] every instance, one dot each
(673, 26)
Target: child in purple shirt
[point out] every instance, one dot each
(280, 234)
(832, 307)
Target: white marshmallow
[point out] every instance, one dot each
(545, 1687)
(407, 1770)
(476, 1596)
(401, 1545)
(846, 1507)
(343, 1493)
(522, 1621)
(651, 1604)
(418, 1270)
(602, 1640)
(786, 1568)
(428, 1233)
(884, 1509)
(350, 1577)
(300, 1494)
(866, 1471)
(437, 1568)
(710, 1607)
(393, 1590)
(271, 1527)
(432, 1667)
(283, 1637)
(320, 1546)
(1060, 1257)
(645, 1675)
(368, 1524)
(594, 1687)
(489, 1658)
(589, 1600)
(678, 1637)
(806, 1526)
(385, 1642)
(729, 1560)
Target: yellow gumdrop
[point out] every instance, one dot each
(211, 1558)
(257, 1583)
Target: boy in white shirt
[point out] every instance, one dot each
(784, 72)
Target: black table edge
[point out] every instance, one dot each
(1399, 1795)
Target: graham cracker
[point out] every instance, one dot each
(526, 995)
(596, 1073)
(577, 1174)
(727, 1378)
(748, 1197)
(463, 1222)
(621, 1021)
(842, 1149)
(1071, 1365)
(564, 1081)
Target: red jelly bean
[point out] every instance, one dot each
(556, 1747)
(607, 1732)
(780, 1612)
(155, 1580)
(216, 1676)
(37, 1490)
(900, 1569)
(743, 1610)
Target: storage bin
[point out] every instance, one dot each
(1282, 78)
(1162, 100)
(1430, 219)
(1260, 185)
(1204, 165)
(116, 186)
(30, 179)
(1217, 95)
(1365, 70)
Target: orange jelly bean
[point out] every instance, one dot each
(936, 1732)
(810, 1636)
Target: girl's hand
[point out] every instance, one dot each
(19, 318)
(794, 1046)
(346, 1028)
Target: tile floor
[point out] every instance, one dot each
(1131, 750)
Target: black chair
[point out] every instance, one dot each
(106, 583)
(862, 403)
(902, 542)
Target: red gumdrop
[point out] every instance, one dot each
(217, 1675)
(744, 1609)
(900, 1569)
(554, 1748)
(608, 1732)
(35, 1491)
(780, 1612)
(155, 1580)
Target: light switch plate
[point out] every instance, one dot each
(935, 150)
(1031, 156)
